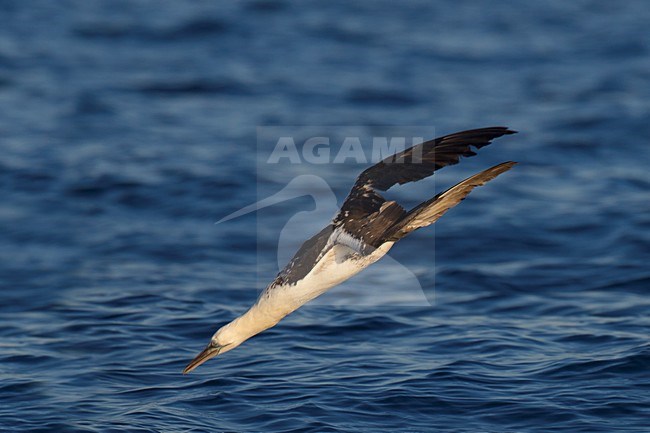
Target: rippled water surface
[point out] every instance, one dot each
(127, 128)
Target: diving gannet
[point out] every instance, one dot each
(363, 231)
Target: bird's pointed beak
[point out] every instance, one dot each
(209, 352)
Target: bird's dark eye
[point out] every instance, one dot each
(214, 343)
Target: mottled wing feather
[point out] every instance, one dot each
(366, 233)
(366, 215)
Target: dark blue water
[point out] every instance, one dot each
(128, 127)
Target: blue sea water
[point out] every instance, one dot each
(127, 128)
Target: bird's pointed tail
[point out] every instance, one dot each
(431, 210)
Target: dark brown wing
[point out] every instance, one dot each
(423, 159)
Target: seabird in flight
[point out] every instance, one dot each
(363, 231)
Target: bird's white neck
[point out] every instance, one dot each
(255, 320)
(263, 315)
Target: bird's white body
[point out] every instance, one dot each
(336, 266)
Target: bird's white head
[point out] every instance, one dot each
(232, 335)
(226, 338)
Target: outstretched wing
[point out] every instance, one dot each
(366, 215)
(423, 159)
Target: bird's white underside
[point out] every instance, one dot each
(337, 265)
